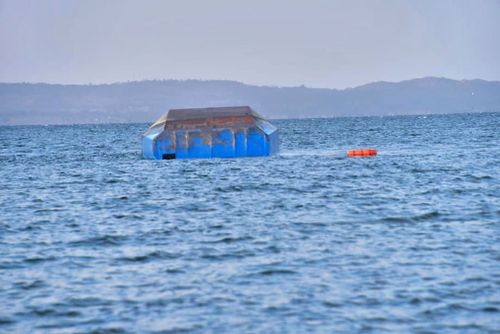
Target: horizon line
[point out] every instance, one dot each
(240, 82)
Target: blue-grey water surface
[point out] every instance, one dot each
(95, 239)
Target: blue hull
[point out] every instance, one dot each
(245, 138)
(220, 143)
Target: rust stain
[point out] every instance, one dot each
(206, 129)
(233, 136)
(210, 122)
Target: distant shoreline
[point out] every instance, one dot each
(242, 83)
(144, 101)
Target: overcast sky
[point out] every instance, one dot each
(318, 43)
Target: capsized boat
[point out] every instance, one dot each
(224, 132)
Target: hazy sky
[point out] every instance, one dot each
(318, 43)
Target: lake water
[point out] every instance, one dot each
(95, 239)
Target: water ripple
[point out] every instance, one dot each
(95, 239)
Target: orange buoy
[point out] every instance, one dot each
(366, 152)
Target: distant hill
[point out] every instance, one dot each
(144, 101)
